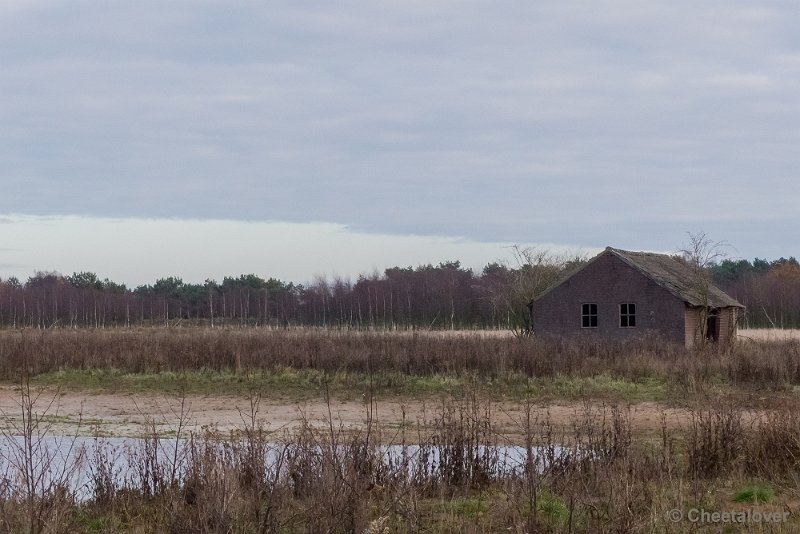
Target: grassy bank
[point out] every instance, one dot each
(297, 384)
(302, 364)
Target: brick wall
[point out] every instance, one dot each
(608, 282)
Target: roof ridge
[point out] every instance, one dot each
(667, 279)
(641, 252)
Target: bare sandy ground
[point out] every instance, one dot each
(128, 414)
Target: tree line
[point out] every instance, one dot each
(769, 289)
(443, 296)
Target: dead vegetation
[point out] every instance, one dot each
(772, 365)
(591, 477)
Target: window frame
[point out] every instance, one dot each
(626, 315)
(589, 315)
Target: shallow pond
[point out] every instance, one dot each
(124, 462)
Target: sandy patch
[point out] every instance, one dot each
(128, 414)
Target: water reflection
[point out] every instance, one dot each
(83, 463)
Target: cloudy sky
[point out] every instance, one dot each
(393, 132)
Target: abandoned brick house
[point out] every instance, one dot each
(620, 294)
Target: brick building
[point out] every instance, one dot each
(620, 295)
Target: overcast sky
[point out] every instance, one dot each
(580, 124)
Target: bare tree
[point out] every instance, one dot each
(700, 254)
(537, 269)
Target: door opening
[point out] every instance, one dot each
(712, 326)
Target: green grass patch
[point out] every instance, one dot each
(308, 383)
(471, 508)
(552, 510)
(605, 386)
(99, 524)
(553, 507)
(757, 493)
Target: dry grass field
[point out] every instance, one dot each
(769, 334)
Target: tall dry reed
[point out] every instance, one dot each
(180, 349)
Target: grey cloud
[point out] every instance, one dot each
(571, 121)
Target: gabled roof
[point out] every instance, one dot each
(668, 272)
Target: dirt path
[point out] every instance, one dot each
(125, 414)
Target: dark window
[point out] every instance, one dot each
(589, 315)
(627, 315)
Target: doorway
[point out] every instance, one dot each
(712, 326)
